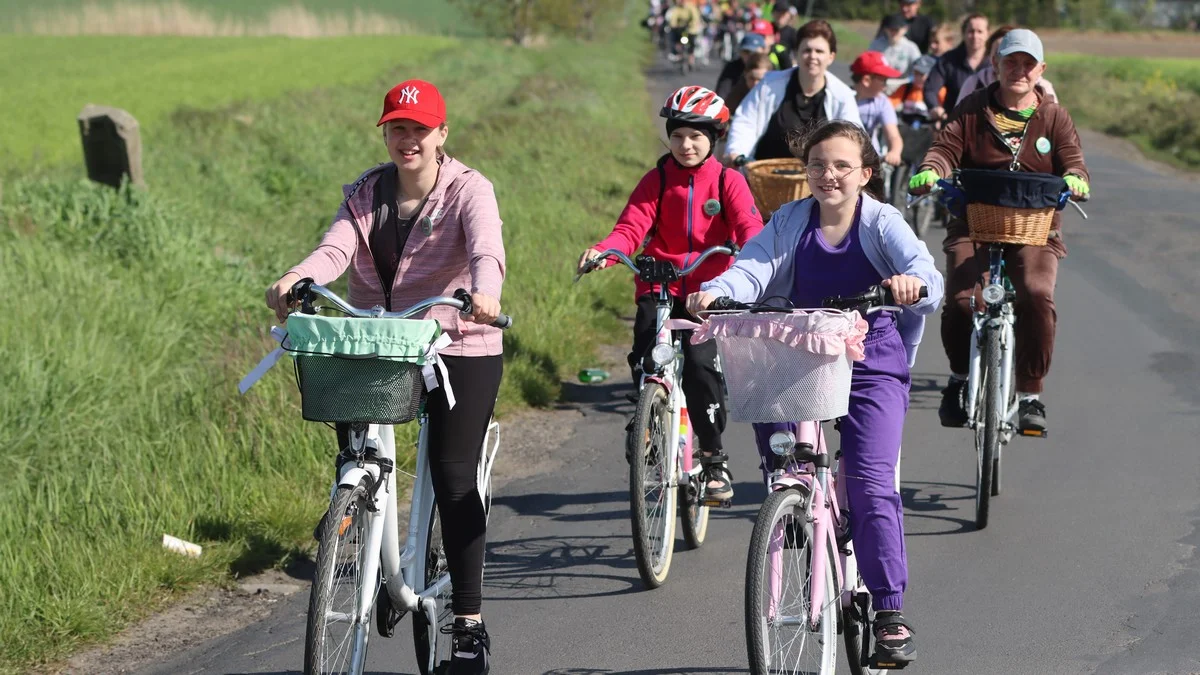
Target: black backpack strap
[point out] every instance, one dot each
(662, 190)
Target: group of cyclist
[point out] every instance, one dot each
(425, 224)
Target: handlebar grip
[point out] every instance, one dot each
(725, 303)
(503, 322)
(886, 297)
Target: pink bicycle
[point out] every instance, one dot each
(802, 582)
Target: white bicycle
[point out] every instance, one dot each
(361, 569)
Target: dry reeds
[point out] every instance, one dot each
(177, 18)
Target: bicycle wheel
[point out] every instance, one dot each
(779, 637)
(899, 187)
(858, 620)
(987, 426)
(435, 568)
(651, 498)
(332, 602)
(693, 513)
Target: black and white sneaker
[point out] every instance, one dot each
(953, 410)
(894, 645)
(472, 647)
(1031, 416)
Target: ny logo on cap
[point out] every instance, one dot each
(408, 95)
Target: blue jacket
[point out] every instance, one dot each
(764, 269)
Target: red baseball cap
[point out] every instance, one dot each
(762, 27)
(872, 63)
(415, 100)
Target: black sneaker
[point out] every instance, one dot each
(953, 410)
(1031, 416)
(894, 646)
(472, 648)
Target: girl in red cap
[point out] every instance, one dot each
(423, 225)
(687, 204)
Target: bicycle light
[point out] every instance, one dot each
(662, 355)
(782, 443)
(993, 294)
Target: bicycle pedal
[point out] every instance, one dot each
(1033, 433)
(718, 503)
(878, 663)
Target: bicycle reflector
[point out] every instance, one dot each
(993, 294)
(782, 443)
(662, 355)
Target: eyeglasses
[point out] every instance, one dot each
(839, 169)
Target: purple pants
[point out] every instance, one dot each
(871, 434)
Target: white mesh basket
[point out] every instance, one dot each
(786, 367)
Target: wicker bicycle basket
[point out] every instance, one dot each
(775, 182)
(1009, 225)
(1010, 207)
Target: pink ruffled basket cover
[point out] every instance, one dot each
(782, 367)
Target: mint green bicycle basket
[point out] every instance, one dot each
(360, 370)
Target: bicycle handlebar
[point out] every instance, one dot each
(944, 186)
(730, 249)
(305, 292)
(876, 298)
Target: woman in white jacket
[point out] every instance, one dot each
(787, 103)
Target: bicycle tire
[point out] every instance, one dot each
(987, 427)
(342, 528)
(693, 513)
(759, 641)
(900, 176)
(653, 540)
(435, 566)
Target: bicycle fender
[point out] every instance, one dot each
(789, 482)
(353, 475)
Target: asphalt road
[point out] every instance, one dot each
(1088, 564)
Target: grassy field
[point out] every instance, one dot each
(1153, 102)
(137, 313)
(153, 77)
(436, 16)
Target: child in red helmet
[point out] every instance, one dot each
(687, 204)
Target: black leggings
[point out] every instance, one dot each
(701, 380)
(455, 442)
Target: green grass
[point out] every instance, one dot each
(1153, 102)
(153, 76)
(137, 312)
(438, 16)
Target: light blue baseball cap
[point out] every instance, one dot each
(752, 41)
(1022, 40)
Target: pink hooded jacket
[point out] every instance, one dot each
(685, 228)
(462, 249)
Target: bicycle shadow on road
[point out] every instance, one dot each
(925, 393)
(932, 503)
(705, 670)
(566, 566)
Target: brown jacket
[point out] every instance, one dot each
(971, 140)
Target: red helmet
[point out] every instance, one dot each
(697, 106)
(762, 27)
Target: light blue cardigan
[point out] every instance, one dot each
(764, 268)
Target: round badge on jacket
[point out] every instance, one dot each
(1043, 145)
(712, 207)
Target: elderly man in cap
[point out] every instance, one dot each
(920, 27)
(1011, 125)
(732, 73)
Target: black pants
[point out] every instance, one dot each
(455, 443)
(701, 379)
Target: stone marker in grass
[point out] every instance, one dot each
(112, 145)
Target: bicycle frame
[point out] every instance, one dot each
(402, 571)
(994, 316)
(822, 508)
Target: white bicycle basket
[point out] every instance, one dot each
(787, 367)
